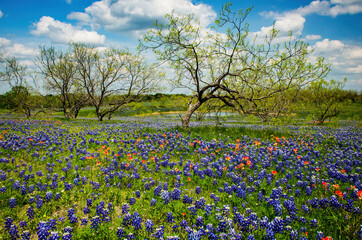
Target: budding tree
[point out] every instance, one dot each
(19, 98)
(113, 78)
(226, 63)
(327, 98)
(60, 71)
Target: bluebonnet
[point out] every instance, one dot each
(136, 221)
(23, 189)
(86, 210)
(12, 202)
(159, 232)
(176, 194)
(52, 224)
(39, 203)
(67, 236)
(42, 230)
(57, 196)
(84, 221)
(127, 219)
(48, 196)
(132, 201)
(8, 222)
(165, 196)
(120, 233)
(149, 225)
(199, 221)
(183, 223)
(23, 224)
(169, 217)
(73, 219)
(54, 236)
(294, 234)
(26, 235)
(95, 221)
(125, 208)
(89, 202)
(13, 231)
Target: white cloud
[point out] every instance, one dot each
(346, 61)
(328, 46)
(82, 17)
(1, 14)
(284, 24)
(4, 42)
(313, 37)
(325, 8)
(60, 32)
(69, 1)
(17, 49)
(134, 17)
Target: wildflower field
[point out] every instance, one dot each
(91, 180)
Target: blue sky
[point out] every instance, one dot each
(332, 27)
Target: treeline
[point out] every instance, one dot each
(222, 69)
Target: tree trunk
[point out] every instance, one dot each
(186, 118)
(99, 114)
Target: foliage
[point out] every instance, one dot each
(110, 72)
(327, 97)
(230, 66)
(19, 98)
(62, 79)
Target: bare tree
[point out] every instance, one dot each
(229, 66)
(61, 77)
(19, 97)
(113, 78)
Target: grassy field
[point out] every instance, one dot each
(85, 179)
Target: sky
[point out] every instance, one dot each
(333, 28)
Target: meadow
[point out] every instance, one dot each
(155, 180)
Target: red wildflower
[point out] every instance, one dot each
(274, 172)
(326, 238)
(339, 193)
(359, 194)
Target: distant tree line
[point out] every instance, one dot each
(230, 70)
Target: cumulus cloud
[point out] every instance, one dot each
(17, 49)
(60, 32)
(284, 24)
(345, 59)
(325, 8)
(137, 16)
(313, 37)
